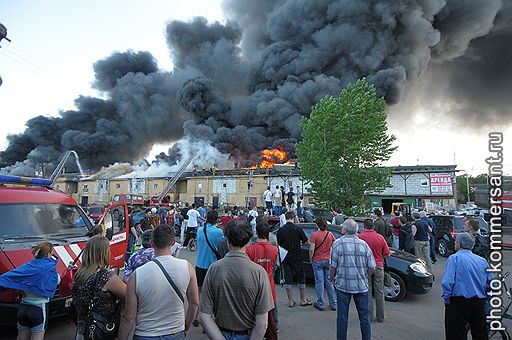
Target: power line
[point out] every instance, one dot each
(51, 77)
(23, 55)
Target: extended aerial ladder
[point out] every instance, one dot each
(61, 164)
(175, 178)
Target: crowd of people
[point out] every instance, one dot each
(230, 292)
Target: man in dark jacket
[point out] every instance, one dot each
(406, 236)
(421, 231)
(382, 227)
(481, 247)
(431, 236)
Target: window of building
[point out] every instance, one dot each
(155, 186)
(424, 182)
(224, 185)
(118, 185)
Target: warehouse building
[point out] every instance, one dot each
(422, 186)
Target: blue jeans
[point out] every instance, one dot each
(299, 210)
(432, 247)
(321, 270)
(177, 336)
(275, 315)
(396, 241)
(361, 301)
(231, 336)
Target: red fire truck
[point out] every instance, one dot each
(31, 211)
(134, 200)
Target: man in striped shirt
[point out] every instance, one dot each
(351, 262)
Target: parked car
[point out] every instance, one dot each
(320, 212)
(138, 216)
(408, 273)
(95, 212)
(447, 228)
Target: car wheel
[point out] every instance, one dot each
(192, 245)
(442, 248)
(396, 290)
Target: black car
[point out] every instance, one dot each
(319, 212)
(447, 228)
(408, 273)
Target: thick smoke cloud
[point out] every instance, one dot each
(243, 86)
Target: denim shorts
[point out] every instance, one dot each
(33, 317)
(176, 336)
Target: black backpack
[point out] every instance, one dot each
(482, 247)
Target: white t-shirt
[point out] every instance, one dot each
(277, 198)
(268, 196)
(282, 220)
(193, 216)
(254, 214)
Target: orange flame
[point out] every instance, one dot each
(269, 158)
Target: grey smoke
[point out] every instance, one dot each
(244, 85)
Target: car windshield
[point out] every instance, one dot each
(44, 220)
(96, 210)
(323, 213)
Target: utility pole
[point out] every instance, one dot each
(467, 184)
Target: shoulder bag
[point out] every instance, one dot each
(215, 251)
(99, 326)
(169, 279)
(316, 247)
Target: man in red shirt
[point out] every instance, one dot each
(265, 254)
(380, 249)
(395, 228)
(225, 218)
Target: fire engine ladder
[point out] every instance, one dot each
(181, 170)
(59, 167)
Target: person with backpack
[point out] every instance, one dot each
(481, 247)
(382, 227)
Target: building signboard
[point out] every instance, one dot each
(441, 184)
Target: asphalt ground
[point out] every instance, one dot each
(416, 317)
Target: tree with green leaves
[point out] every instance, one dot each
(344, 142)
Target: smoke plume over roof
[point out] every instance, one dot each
(242, 86)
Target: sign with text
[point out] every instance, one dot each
(441, 184)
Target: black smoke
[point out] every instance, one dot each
(244, 85)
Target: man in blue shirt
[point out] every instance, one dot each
(202, 212)
(465, 284)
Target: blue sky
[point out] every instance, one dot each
(54, 44)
